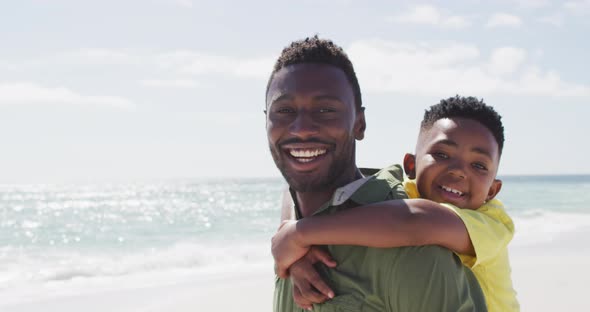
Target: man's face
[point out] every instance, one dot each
(312, 124)
(456, 162)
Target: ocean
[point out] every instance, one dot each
(122, 233)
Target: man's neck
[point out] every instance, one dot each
(309, 202)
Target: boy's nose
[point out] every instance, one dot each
(457, 169)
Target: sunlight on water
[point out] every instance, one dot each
(135, 215)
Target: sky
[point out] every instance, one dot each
(167, 89)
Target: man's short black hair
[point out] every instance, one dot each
(470, 108)
(318, 51)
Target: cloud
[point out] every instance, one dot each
(424, 69)
(198, 63)
(181, 3)
(98, 56)
(430, 15)
(172, 83)
(533, 3)
(555, 19)
(578, 7)
(504, 20)
(506, 60)
(30, 93)
(86, 57)
(184, 3)
(180, 62)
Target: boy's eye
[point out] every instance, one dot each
(440, 155)
(479, 166)
(326, 110)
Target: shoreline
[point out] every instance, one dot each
(550, 276)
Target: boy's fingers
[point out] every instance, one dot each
(311, 294)
(325, 258)
(300, 301)
(318, 283)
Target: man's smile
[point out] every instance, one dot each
(305, 156)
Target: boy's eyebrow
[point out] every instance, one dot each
(447, 142)
(482, 151)
(478, 150)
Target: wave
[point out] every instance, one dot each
(18, 266)
(537, 227)
(39, 265)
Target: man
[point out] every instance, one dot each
(314, 117)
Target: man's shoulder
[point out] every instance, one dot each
(392, 172)
(383, 184)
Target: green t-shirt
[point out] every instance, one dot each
(406, 279)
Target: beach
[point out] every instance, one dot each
(247, 290)
(551, 277)
(204, 246)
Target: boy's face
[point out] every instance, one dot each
(456, 162)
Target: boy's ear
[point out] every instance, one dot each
(410, 165)
(360, 124)
(494, 189)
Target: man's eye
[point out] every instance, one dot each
(326, 110)
(285, 110)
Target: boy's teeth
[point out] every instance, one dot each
(448, 189)
(307, 153)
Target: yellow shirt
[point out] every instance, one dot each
(490, 230)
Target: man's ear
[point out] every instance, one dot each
(494, 189)
(410, 165)
(360, 125)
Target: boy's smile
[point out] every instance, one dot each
(456, 162)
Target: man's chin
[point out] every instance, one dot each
(306, 182)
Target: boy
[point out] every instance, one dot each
(456, 161)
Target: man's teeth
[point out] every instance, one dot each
(448, 189)
(306, 155)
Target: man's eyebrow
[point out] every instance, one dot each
(281, 97)
(327, 97)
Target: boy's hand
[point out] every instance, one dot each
(286, 249)
(308, 286)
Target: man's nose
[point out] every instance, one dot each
(304, 125)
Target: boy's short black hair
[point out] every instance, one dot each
(318, 51)
(470, 108)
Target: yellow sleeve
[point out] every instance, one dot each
(411, 188)
(490, 230)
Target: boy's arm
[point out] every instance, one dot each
(395, 223)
